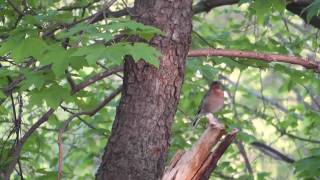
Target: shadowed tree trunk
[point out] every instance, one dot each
(138, 145)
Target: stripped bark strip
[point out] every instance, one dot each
(216, 155)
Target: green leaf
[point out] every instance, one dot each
(32, 46)
(77, 62)
(91, 53)
(131, 27)
(2, 95)
(36, 79)
(262, 7)
(143, 51)
(49, 175)
(312, 10)
(58, 58)
(52, 95)
(308, 167)
(81, 27)
(11, 43)
(116, 52)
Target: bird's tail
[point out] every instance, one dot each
(195, 121)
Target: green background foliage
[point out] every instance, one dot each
(267, 102)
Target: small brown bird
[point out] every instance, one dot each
(212, 102)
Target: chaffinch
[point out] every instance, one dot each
(212, 102)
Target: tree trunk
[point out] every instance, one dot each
(138, 145)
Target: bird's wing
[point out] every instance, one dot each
(202, 102)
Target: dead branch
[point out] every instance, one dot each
(195, 163)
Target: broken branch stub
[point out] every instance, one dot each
(199, 160)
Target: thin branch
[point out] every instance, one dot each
(106, 68)
(70, 81)
(15, 8)
(20, 169)
(82, 120)
(99, 16)
(296, 7)
(313, 96)
(207, 5)
(239, 143)
(198, 53)
(90, 19)
(275, 154)
(222, 176)
(300, 138)
(9, 89)
(88, 113)
(96, 78)
(274, 103)
(244, 154)
(17, 149)
(73, 7)
(255, 55)
(13, 111)
(281, 131)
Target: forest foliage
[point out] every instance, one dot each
(50, 50)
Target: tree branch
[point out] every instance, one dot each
(256, 55)
(300, 138)
(196, 53)
(96, 78)
(75, 88)
(15, 8)
(207, 5)
(275, 154)
(90, 19)
(296, 7)
(71, 81)
(17, 149)
(72, 7)
(89, 113)
(244, 154)
(274, 103)
(281, 131)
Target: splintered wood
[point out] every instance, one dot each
(199, 161)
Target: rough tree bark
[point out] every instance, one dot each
(139, 141)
